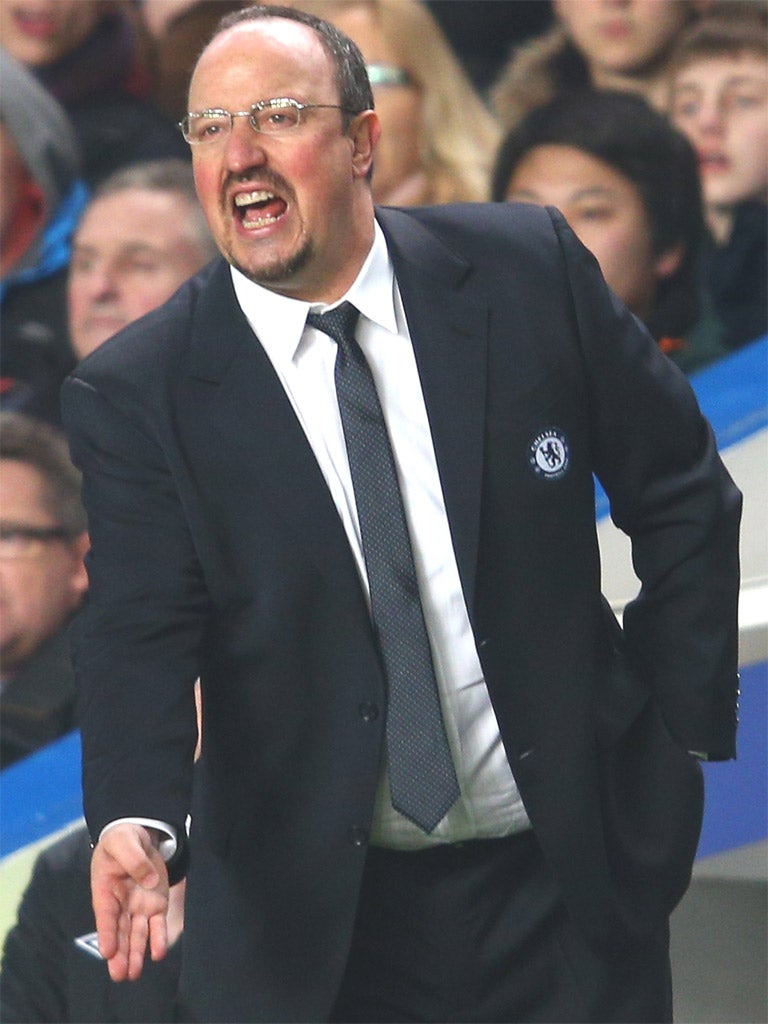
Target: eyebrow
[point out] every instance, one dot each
(755, 79)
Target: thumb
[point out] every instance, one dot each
(134, 848)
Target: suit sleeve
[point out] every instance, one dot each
(656, 457)
(137, 641)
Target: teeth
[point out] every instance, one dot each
(259, 222)
(246, 198)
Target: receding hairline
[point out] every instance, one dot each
(223, 35)
(347, 65)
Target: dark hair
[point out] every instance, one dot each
(355, 93)
(29, 440)
(623, 131)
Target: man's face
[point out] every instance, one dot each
(39, 32)
(721, 104)
(43, 582)
(131, 252)
(293, 212)
(605, 211)
(621, 37)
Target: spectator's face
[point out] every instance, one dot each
(42, 583)
(131, 252)
(399, 106)
(721, 104)
(621, 37)
(292, 212)
(39, 32)
(607, 213)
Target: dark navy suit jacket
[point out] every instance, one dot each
(218, 551)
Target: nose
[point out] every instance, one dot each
(711, 120)
(99, 282)
(244, 147)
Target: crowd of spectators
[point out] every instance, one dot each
(90, 88)
(643, 121)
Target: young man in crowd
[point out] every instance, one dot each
(719, 99)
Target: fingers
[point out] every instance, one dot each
(129, 884)
(158, 936)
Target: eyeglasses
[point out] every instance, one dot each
(29, 541)
(387, 74)
(270, 117)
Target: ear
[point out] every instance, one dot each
(79, 575)
(364, 132)
(668, 262)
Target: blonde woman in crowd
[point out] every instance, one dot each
(438, 138)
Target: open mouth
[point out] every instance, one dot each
(713, 162)
(259, 208)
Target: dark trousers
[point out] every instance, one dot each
(478, 932)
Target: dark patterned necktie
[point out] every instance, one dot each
(422, 778)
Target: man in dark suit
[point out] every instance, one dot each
(527, 874)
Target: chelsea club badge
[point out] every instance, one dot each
(548, 454)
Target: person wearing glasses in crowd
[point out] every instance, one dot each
(43, 540)
(438, 139)
(345, 477)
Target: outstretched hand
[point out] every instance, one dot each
(129, 888)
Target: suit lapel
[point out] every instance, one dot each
(449, 334)
(245, 406)
(240, 406)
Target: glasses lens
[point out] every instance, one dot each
(386, 74)
(275, 116)
(206, 127)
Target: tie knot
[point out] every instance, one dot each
(338, 323)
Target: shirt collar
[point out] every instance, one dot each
(278, 321)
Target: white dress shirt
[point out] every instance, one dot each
(303, 359)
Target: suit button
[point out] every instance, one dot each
(482, 644)
(368, 711)
(358, 836)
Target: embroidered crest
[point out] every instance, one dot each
(90, 944)
(548, 454)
